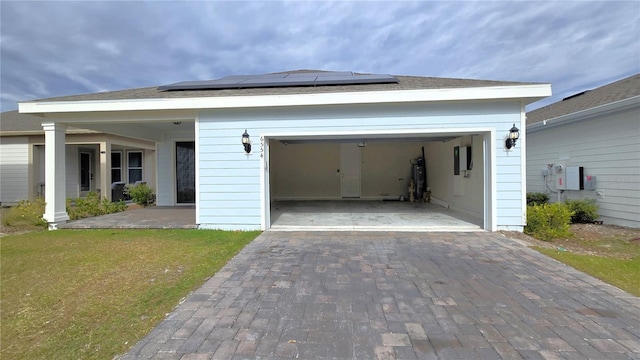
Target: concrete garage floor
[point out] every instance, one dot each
(362, 215)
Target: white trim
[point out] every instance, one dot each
(489, 209)
(523, 162)
(265, 200)
(531, 92)
(196, 141)
(490, 178)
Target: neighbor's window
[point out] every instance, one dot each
(116, 166)
(134, 161)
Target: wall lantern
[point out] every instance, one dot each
(514, 134)
(246, 142)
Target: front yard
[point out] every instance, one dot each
(610, 253)
(92, 294)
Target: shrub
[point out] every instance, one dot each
(92, 205)
(141, 194)
(537, 198)
(26, 213)
(548, 221)
(584, 211)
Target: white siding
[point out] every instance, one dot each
(440, 177)
(72, 180)
(14, 170)
(227, 203)
(608, 147)
(165, 194)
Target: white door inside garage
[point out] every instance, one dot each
(365, 181)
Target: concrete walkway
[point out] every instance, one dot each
(359, 295)
(153, 217)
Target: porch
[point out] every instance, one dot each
(155, 217)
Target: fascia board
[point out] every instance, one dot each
(584, 114)
(529, 92)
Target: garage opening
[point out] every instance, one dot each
(368, 183)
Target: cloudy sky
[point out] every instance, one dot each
(56, 48)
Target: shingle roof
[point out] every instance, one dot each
(404, 83)
(619, 90)
(14, 123)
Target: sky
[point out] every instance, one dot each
(58, 48)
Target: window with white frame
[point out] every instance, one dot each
(134, 166)
(116, 166)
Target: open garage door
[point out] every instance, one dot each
(349, 182)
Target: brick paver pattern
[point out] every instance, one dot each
(394, 295)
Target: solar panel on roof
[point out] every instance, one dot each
(282, 80)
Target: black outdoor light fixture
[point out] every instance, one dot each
(514, 134)
(246, 142)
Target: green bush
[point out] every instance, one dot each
(92, 205)
(537, 198)
(548, 221)
(26, 213)
(141, 194)
(584, 211)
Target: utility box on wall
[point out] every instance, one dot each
(589, 182)
(575, 177)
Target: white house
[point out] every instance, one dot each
(313, 135)
(22, 160)
(587, 146)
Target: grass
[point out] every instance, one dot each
(620, 272)
(92, 294)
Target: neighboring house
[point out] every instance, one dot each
(22, 160)
(598, 130)
(314, 136)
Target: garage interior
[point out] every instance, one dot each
(366, 183)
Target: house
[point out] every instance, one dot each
(587, 146)
(22, 160)
(234, 146)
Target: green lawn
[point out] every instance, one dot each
(623, 273)
(92, 294)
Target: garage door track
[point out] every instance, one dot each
(359, 295)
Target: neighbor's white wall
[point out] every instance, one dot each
(608, 147)
(14, 169)
(440, 176)
(229, 180)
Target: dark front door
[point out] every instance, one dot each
(86, 173)
(185, 172)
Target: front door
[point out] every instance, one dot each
(185, 172)
(349, 170)
(86, 173)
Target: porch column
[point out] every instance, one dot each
(55, 212)
(105, 170)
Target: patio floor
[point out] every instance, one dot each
(154, 217)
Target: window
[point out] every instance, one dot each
(116, 167)
(134, 162)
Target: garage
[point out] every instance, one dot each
(326, 145)
(402, 181)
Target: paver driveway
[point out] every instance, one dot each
(354, 295)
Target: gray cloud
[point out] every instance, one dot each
(63, 48)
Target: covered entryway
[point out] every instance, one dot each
(363, 182)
